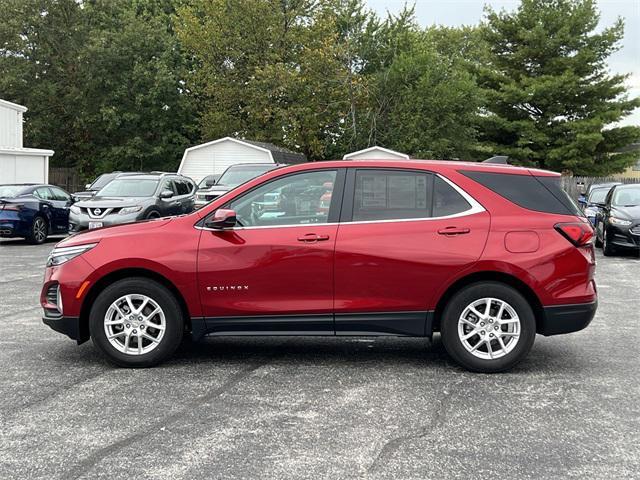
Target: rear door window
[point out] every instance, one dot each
(391, 195)
(446, 200)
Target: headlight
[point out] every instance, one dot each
(619, 221)
(127, 210)
(60, 255)
(75, 209)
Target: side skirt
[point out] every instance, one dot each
(413, 324)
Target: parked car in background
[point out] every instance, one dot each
(98, 184)
(232, 177)
(208, 182)
(33, 211)
(133, 197)
(596, 198)
(618, 221)
(583, 198)
(488, 255)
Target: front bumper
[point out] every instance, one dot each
(623, 236)
(559, 319)
(80, 222)
(70, 326)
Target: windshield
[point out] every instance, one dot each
(101, 181)
(627, 196)
(234, 176)
(598, 195)
(206, 181)
(10, 191)
(130, 187)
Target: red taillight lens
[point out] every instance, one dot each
(580, 234)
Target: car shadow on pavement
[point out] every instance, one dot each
(361, 352)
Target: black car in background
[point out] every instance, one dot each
(618, 221)
(133, 197)
(33, 211)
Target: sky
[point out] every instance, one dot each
(470, 12)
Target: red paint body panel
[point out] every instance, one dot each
(409, 261)
(283, 275)
(362, 267)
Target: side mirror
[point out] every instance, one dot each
(221, 219)
(209, 183)
(166, 194)
(87, 186)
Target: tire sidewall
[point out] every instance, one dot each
(32, 237)
(457, 304)
(160, 294)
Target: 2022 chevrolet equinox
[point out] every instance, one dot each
(487, 255)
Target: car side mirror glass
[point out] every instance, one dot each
(210, 183)
(221, 219)
(87, 186)
(166, 194)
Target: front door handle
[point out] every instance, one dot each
(312, 237)
(453, 231)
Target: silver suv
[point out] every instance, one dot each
(132, 198)
(232, 177)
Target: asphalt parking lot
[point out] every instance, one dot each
(318, 407)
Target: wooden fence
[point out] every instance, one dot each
(575, 186)
(67, 178)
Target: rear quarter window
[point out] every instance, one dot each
(541, 194)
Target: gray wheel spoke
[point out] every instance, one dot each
(469, 332)
(120, 327)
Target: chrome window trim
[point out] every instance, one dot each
(476, 207)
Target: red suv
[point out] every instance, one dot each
(486, 255)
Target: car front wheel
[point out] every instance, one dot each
(488, 327)
(136, 322)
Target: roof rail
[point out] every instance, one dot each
(499, 159)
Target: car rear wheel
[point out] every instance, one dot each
(136, 322)
(39, 231)
(488, 327)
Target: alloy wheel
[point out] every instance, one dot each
(134, 324)
(39, 230)
(489, 328)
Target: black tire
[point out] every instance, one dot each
(608, 249)
(39, 231)
(152, 214)
(455, 308)
(598, 242)
(158, 293)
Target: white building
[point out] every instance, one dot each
(375, 153)
(17, 163)
(213, 158)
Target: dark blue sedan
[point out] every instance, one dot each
(33, 211)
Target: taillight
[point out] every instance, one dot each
(16, 207)
(580, 234)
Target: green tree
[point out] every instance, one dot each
(551, 101)
(103, 81)
(268, 70)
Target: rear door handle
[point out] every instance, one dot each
(453, 231)
(312, 237)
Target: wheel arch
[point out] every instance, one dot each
(484, 276)
(121, 274)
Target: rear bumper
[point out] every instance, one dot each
(560, 319)
(69, 326)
